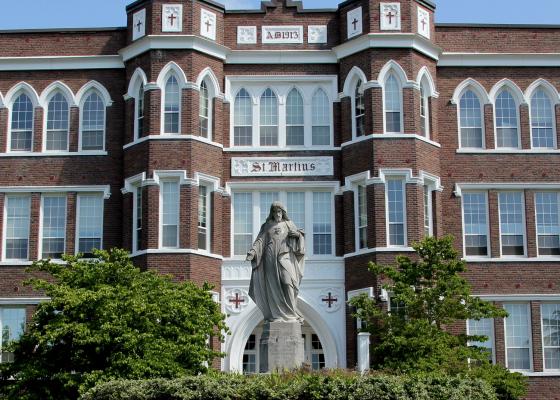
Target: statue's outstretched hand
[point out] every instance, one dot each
(250, 255)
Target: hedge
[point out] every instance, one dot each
(296, 386)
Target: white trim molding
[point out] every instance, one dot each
(17, 301)
(281, 57)
(460, 187)
(49, 63)
(173, 137)
(377, 136)
(106, 189)
(451, 59)
(165, 250)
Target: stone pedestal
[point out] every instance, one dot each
(281, 346)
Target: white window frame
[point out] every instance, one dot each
(208, 202)
(160, 236)
(403, 180)
(330, 123)
(137, 188)
(46, 117)
(425, 104)
(491, 338)
(536, 220)
(517, 112)
(16, 307)
(523, 219)
(10, 116)
(482, 119)
(81, 119)
(40, 236)
(427, 192)
(357, 87)
(357, 225)
(210, 110)
(305, 117)
(542, 342)
(531, 367)
(401, 111)
(553, 111)
(5, 224)
(136, 114)
(163, 97)
(77, 234)
(489, 255)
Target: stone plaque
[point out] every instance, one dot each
(208, 24)
(317, 34)
(139, 24)
(390, 16)
(423, 22)
(289, 166)
(282, 34)
(172, 18)
(354, 22)
(246, 34)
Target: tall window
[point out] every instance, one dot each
(170, 214)
(140, 112)
(322, 229)
(428, 214)
(482, 327)
(512, 226)
(506, 121)
(90, 223)
(548, 223)
(296, 207)
(53, 226)
(93, 123)
(242, 222)
(362, 220)
(204, 110)
(424, 112)
(243, 119)
(12, 324)
(518, 336)
(57, 123)
(22, 124)
(203, 219)
(320, 119)
(269, 119)
(250, 355)
(475, 219)
(172, 106)
(359, 110)
(396, 212)
(17, 227)
(542, 120)
(393, 105)
(550, 319)
(138, 218)
(470, 121)
(294, 119)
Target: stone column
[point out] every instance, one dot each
(281, 346)
(363, 351)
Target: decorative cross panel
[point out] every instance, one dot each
(236, 301)
(331, 300)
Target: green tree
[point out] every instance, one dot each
(108, 320)
(431, 297)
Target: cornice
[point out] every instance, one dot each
(449, 59)
(42, 63)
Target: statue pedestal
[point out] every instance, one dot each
(281, 346)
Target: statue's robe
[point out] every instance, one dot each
(277, 271)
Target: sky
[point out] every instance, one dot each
(26, 14)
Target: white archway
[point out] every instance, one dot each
(54, 87)
(93, 85)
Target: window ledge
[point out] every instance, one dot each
(544, 373)
(391, 136)
(15, 263)
(508, 151)
(176, 251)
(510, 259)
(172, 137)
(252, 149)
(392, 249)
(54, 154)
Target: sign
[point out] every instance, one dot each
(282, 34)
(354, 22)
(139, 24)
(390, 16)
(285, 166)
(172, 18)
(207, 24)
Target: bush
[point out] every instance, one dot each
(333, 385)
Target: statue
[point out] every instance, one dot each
(277, 258)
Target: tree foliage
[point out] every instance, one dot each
(108, 320)
(432, 298)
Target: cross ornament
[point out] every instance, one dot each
(237, 301)
(354, 23)
(423, 22)
(208, 25)
(329, 300)
(172, 19)
(139, 25)
(390, 16)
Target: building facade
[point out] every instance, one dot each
(374, 125)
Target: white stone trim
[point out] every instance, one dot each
(94, 85)
(49, 63)
(106, 189)
(333, 186)
(548, 87)
(177, 251)
(57, 86)
(53, 154)
(354, 293)
(518, 260)
(533, 151)
(172, 137)
(424, 73)
(281, 57)
(392, 249)
(460, 187)
(518, 297)
(515, 90)
(17, 301)
(169, 69)
(476, 87)
(137, 78)
(452, 59)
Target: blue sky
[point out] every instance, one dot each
(18, 14)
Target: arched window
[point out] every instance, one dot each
(172, 106)
(22, 124)
(424, 111)
(320, 119)
(243, 119)
(294, 119)
(140, 112)
(204, 110)
(359, 110)
(57, 123)
(470, 121)
(542, 120)
(506, 121)
(393, 105)
(93, 123)
(269, 119)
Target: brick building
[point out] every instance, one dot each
(375, 126)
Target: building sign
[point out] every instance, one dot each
(282, 34)
(285, 166)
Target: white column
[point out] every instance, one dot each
(363, 351)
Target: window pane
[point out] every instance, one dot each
(320, 119)
(170, 214)
(427, 211)
(57, 123)
(269, 119)
(172, 105)
(476, 224)
(93, 123)
(322, 229)
(395, 207)
(243, 119)
(542, 120)
(506, 120)
(22, 124)
(90, 223)
(424, 111)
(294, 119)
(12, 323)
(204, 110)
(511, 223)
(138, 218)
(482, 327)
(242, 222)
(296, 208)
(550, 315)
(140, 112)
(17, 227)
(203, 218)
(470, 120)
(362, 217)
(392, 105)
(54, 226)
(266, 200)
(548, 223)
(517, 336)
(359, 109)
